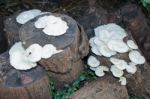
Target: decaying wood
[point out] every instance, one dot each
(102, 88)
(74, 43)
(15, 84)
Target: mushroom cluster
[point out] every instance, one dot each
(109, 42)
(24, 59)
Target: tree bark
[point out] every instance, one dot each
(15, 84)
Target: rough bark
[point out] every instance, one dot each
(15, 84)
(67, 65)
(102, 88)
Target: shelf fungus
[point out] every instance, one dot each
(115, 48)
(26, 16)
(52, 25)
(100, 70)
(93, 62)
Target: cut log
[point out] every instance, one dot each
(11, 27)
(3, 41)
(102, 88)
(74, 44)
(15, 84)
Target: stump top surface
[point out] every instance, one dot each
(29, 34)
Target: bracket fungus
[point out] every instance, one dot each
(100, 70)
(119, 63)
(131, 68)
(123, 80)
(52, 25)
(132, 44)
(18, 58)
(116, 71)
(25, 16)
(93, 62)
(136, 57)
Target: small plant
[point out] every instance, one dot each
(146, 4)
(69, 89)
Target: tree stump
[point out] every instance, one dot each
(14, 84)
(66, 66)
(11, 28)
(3, 41)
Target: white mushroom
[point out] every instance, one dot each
(100, 70)
(136, 57)
(131, 68)
(91, 41)
(33, 52)
(25, 16)
(96, 51)
(111, 30)
(16, 47)
(132, 44)
(19, 61)
(93, 62)
(98, 42)
(116, 71)
(105, 51)
(123, 80)
(118, 46)
(119, 63)
(93, 68)
(49, 50)
(52, 25)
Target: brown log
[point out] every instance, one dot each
(106, 87)
(67, 65)
(15, 84)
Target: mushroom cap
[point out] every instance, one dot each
(33, 52)
(16, 47)
(118, 46)
(52, 25)
(98, 42)
(100, 70)
(132, 44)
(131, 68)
(136, 57)
(116, 71)
(48, 50)
(111, 30)
(96, 51)
(93, 62)
(93, 68)
(19, 61)
(119, 63)
(91, 41)
(105, 51)
(123, 80)
(25, 16)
